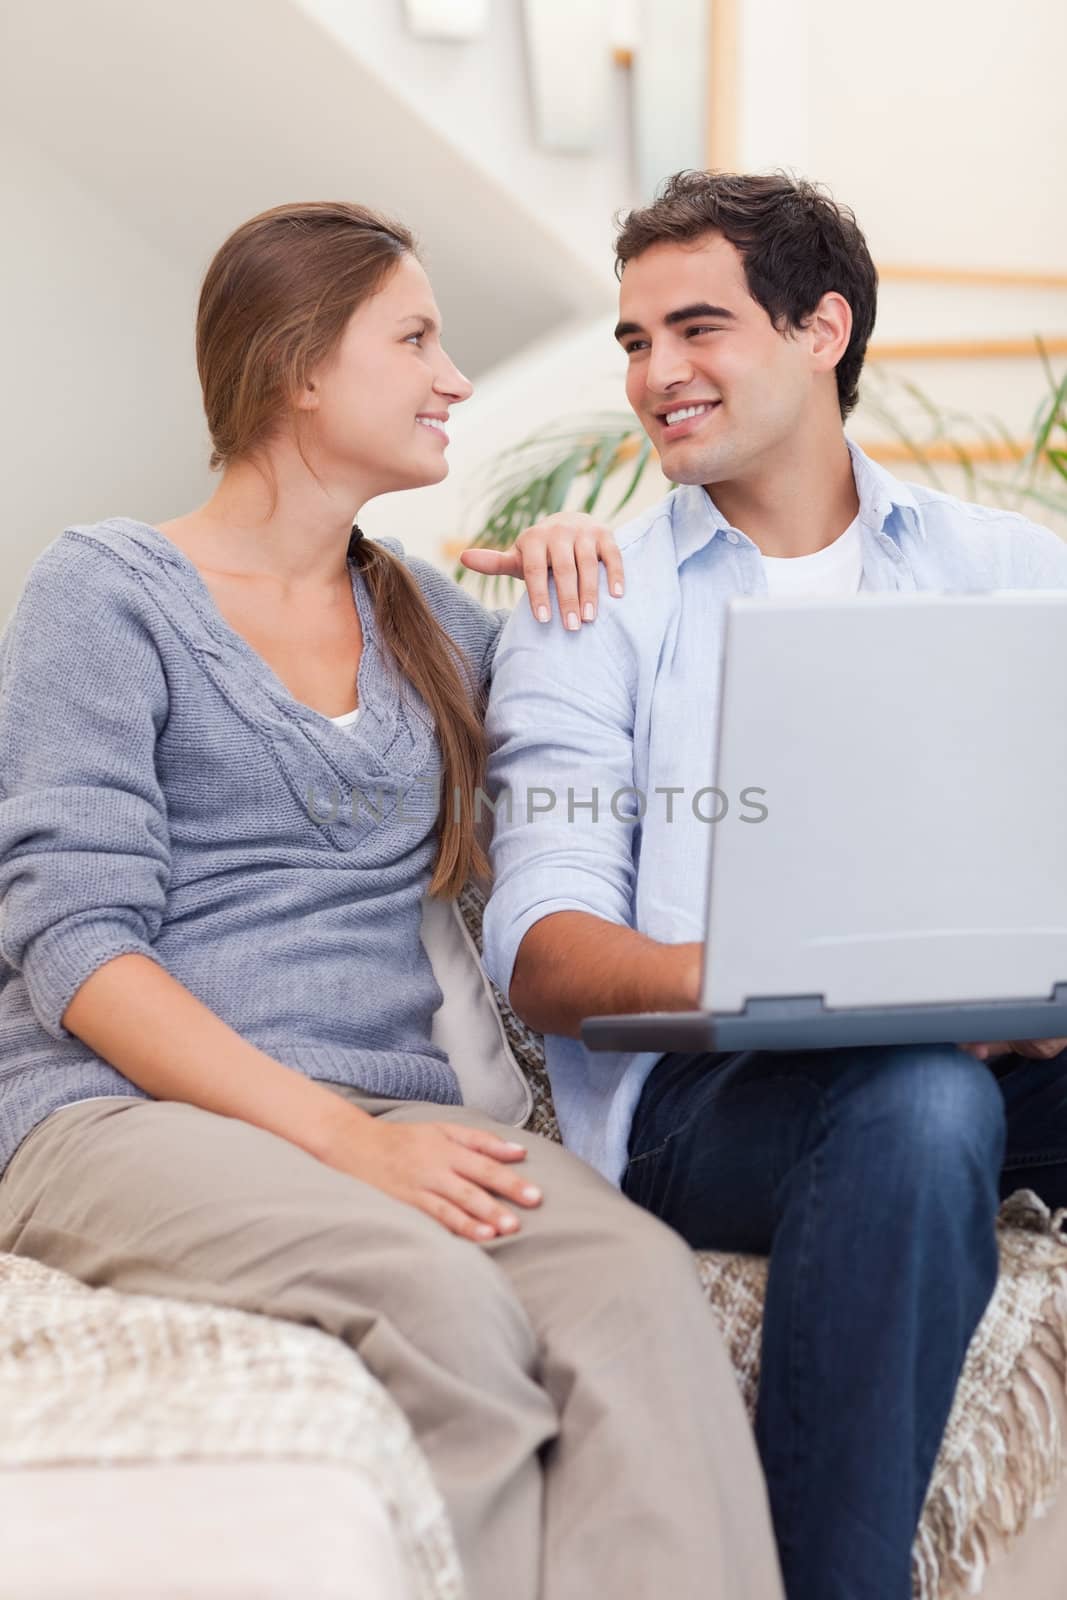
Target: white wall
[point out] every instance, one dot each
(136, 134)
(100, 407)
(187, 119)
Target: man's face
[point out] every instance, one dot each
(697, 342)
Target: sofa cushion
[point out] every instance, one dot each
(203, 1530)
(527, 1047)
(467, 1025)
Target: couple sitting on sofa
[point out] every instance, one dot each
(218, 1076)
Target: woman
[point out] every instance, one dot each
(219, 1082)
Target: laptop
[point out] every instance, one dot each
(909, 881)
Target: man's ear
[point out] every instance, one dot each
(830, 326)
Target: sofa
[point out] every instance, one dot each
(167, 1450)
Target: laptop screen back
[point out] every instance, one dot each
(913, 750)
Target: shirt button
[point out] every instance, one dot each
(732, 537)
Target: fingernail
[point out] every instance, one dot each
(543, 613)
(587, 611)
(616, 588)
(484, 1231)
(530, 1193)
(507, 1224)
(512, 1144)
(572, 619)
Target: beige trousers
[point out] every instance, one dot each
(568, 1385)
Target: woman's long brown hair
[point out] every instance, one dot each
(274, 304)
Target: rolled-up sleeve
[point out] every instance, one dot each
(560, 778)
(84, 848)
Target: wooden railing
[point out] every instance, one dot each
(724, 111)
(966, 349)
(988, 277)
(978, 452)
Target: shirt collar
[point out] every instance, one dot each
(880, 493)
(697, 519)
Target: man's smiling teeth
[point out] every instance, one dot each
(686, 411)
(431, 422)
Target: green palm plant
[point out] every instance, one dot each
(998, 469)
(577, 462)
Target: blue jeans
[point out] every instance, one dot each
(871, 1178)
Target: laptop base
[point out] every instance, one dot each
(805, 1023)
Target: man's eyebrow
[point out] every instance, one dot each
(686, 314)
(700, 309)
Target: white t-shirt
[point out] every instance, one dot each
(838, 569)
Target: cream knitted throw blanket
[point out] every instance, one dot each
(90, 1375)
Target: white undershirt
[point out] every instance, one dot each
(837, 569)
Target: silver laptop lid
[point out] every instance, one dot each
(914, 753)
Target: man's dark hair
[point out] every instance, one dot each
(796, 243)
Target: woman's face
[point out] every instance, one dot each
(379, 405)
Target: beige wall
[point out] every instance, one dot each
(945, 124)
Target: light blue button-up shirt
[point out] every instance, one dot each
(589, 729)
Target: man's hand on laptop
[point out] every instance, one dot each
(1033, 1049)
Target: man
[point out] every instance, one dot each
(871, 1177)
